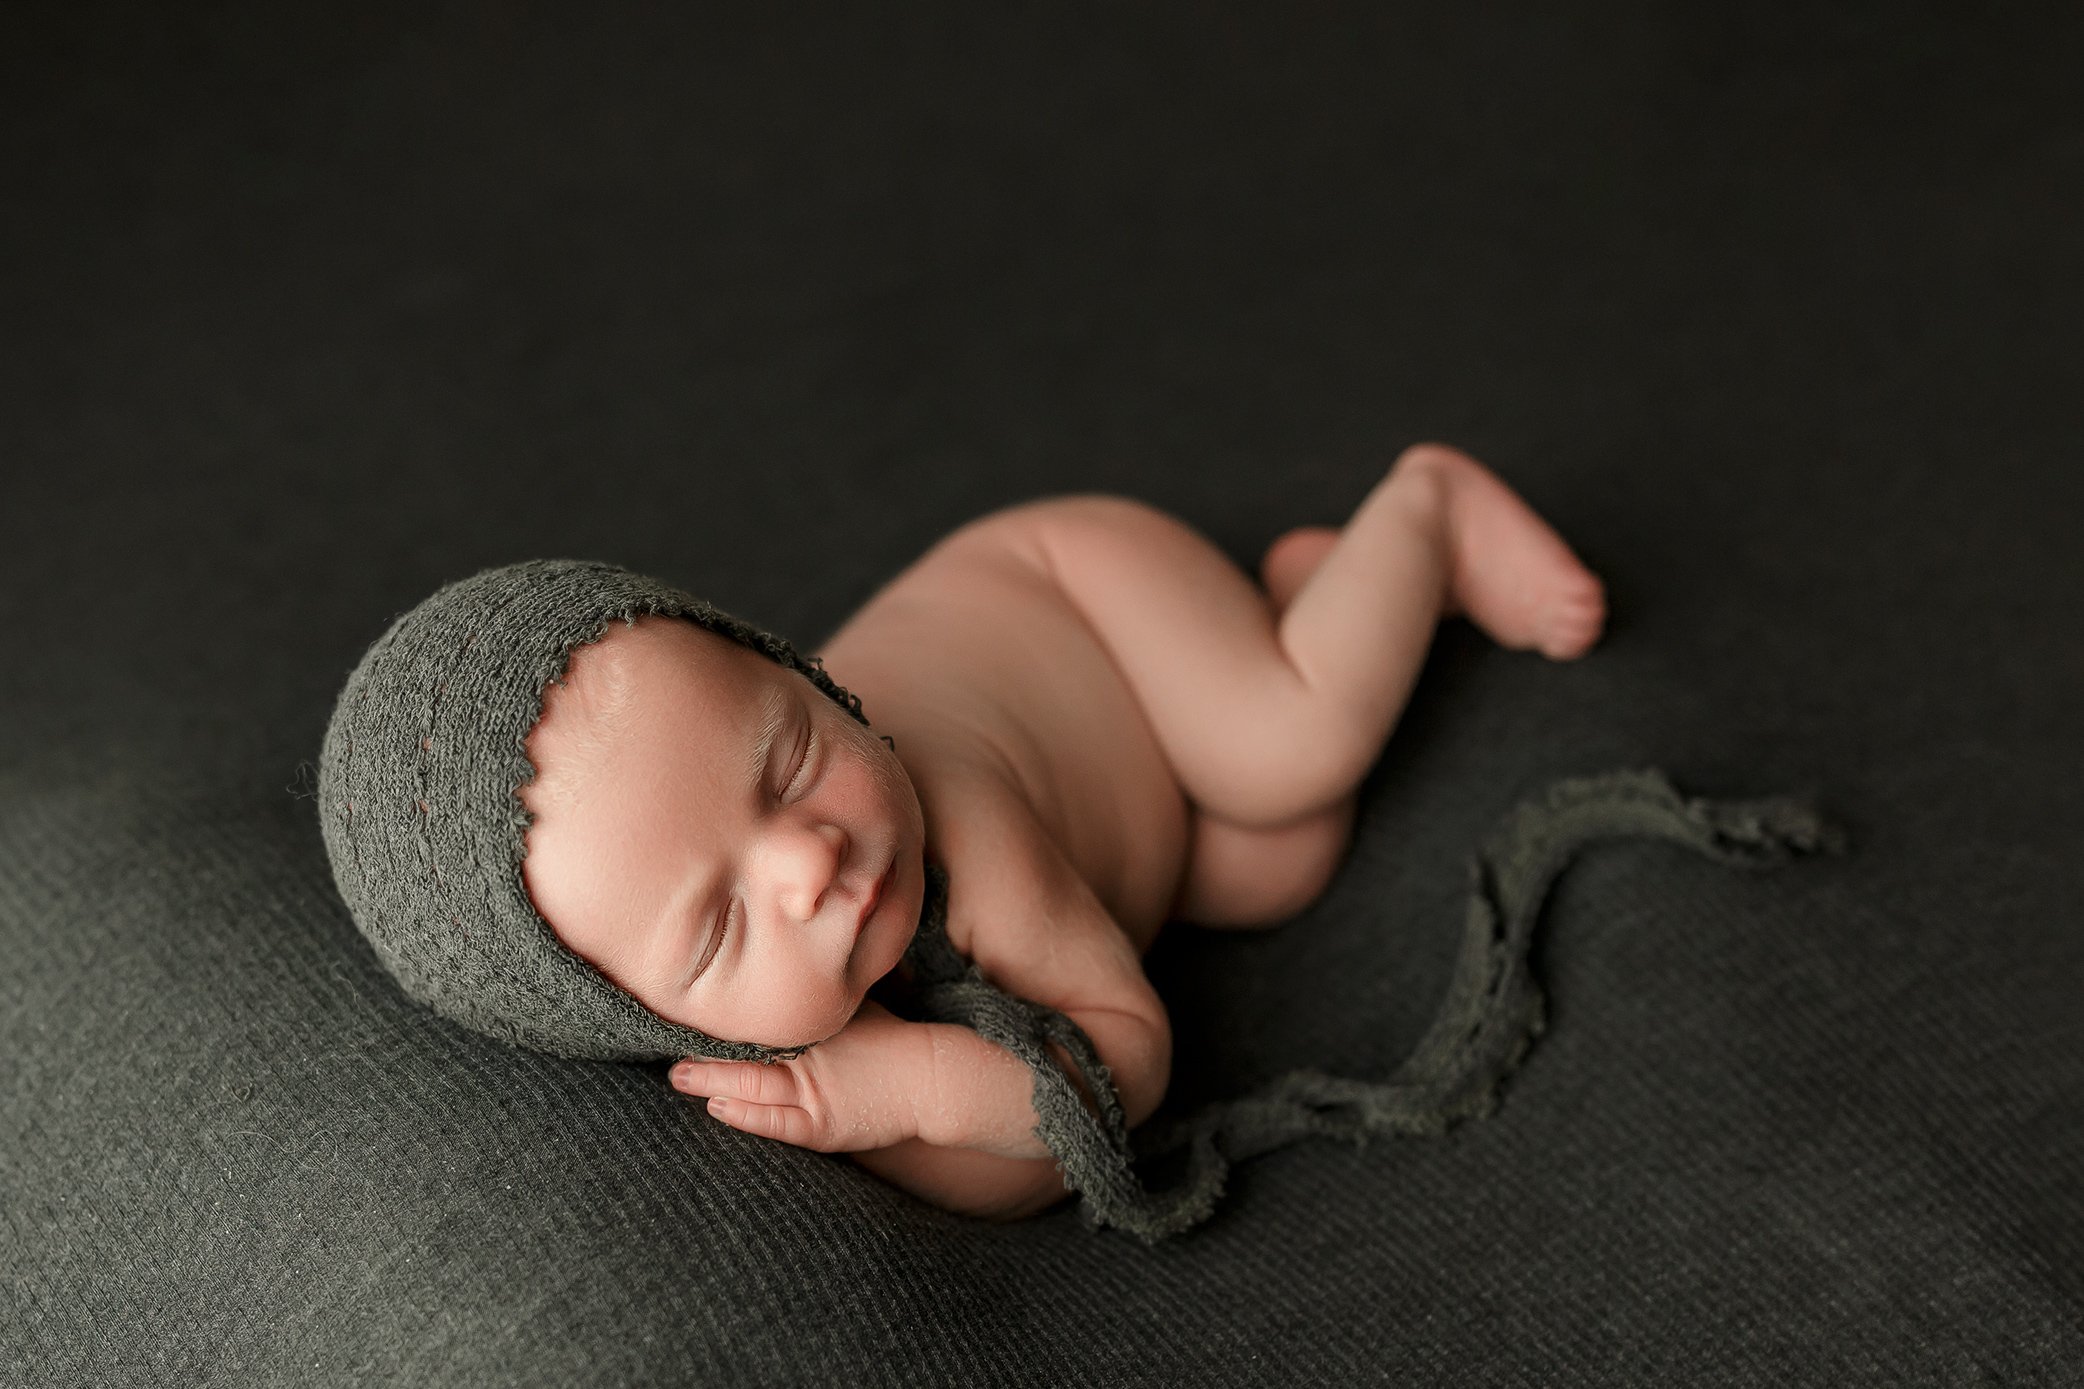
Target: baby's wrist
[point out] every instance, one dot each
(979, 1096)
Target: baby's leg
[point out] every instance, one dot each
(1267, 721)
(1255, 875)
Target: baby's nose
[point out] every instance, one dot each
(814, 855)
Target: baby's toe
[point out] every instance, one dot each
(1573, 621)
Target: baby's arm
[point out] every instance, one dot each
(1035, 928)
(982, 1094)
(977, 1153)
(932, 1108)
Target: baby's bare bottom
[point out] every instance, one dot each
(1272, 707)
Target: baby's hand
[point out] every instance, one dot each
(857, 1089)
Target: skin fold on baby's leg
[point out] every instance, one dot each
(1271, 714)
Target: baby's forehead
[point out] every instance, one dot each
(619, 691)
(658, 647)
(605, 681)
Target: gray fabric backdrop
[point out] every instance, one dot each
(1774, 314)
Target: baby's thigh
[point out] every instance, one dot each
(1195, 639)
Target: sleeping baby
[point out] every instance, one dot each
(584, 812)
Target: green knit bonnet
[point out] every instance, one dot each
(418, 796)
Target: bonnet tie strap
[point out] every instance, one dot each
(1491, 1015)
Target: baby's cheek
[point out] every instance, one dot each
(897, 799)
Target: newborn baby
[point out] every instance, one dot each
(1099, 725)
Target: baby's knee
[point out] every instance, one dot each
(1240, 876)
(1292, 559)
(1316, 847)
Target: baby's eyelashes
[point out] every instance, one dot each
(802, 764)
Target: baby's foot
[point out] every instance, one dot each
(1512, 574)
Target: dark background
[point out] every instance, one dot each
(1774, 313)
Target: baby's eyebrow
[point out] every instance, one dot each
(775, 706)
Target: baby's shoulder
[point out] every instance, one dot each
(1017, 905)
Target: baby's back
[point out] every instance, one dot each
(972, 657)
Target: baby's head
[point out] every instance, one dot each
(585, 812)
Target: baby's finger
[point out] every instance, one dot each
(783, 1122)
(745, 1080)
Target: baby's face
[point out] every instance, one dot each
(718, 837)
